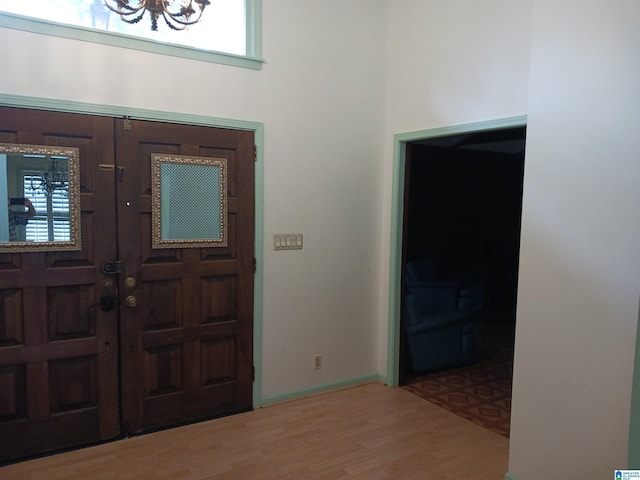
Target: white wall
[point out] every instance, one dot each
(320, 96)
(456, 61)
(580, 256)
(450, 63)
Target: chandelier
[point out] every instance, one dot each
(178, 14)
(51, 179)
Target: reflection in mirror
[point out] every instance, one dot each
(189, 201)
(39, 198)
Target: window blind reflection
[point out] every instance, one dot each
(51, 222)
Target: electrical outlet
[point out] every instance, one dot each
(317, 362)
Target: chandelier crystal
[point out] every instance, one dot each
(178, 14)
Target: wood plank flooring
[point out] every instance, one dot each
(365, 432)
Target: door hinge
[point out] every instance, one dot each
(255, 153)
(126, 123)
(253, 373)
(254, 264)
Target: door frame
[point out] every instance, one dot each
(400, 141)
(257, 128)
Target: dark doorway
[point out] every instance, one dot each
(463, 205)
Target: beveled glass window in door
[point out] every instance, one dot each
(189, 201)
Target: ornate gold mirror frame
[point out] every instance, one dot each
(43, 159)
(189, 201)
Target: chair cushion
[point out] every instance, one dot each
(420, 270)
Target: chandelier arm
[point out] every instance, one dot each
(171, 25)
(133, 21)
(124, 8)
(187, 12)
(186, 23)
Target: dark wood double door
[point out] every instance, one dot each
(73, 373)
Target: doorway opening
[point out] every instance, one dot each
(462, 205)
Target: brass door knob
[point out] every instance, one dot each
(131, 301)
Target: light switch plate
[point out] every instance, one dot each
(287, 241)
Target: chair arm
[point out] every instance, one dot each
(418, 284)
(439, 321)
(432, 300)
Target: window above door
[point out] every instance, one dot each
(228, 32)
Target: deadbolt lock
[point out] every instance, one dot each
(130, 282)
(131, 301)
(113, 268)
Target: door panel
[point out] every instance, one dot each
(187, 344)
(58, 352)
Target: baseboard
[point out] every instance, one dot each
(324, 387)
(510, 476)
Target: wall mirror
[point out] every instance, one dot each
(189, 201)
(39, 198)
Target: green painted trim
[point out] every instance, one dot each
(156, 115)
(395, 267)
(518, 121)
(258, 279)
(400, 141)
(122, 111)
(251, 60)
(633, 455)
(510, 476)
(254, 29)
(314, 390)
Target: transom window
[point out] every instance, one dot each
(227, 28)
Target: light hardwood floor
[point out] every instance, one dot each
(365, 432)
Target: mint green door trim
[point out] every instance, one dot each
(171, 117)
(252, 60)
(400, 141)
(633, 455)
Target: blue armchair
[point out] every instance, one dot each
(421, 273)
(439, 319)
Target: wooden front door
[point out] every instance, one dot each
(58, 349)
(187, 342)
(72, 373)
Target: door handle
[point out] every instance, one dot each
(131, 301)
(107, 303)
